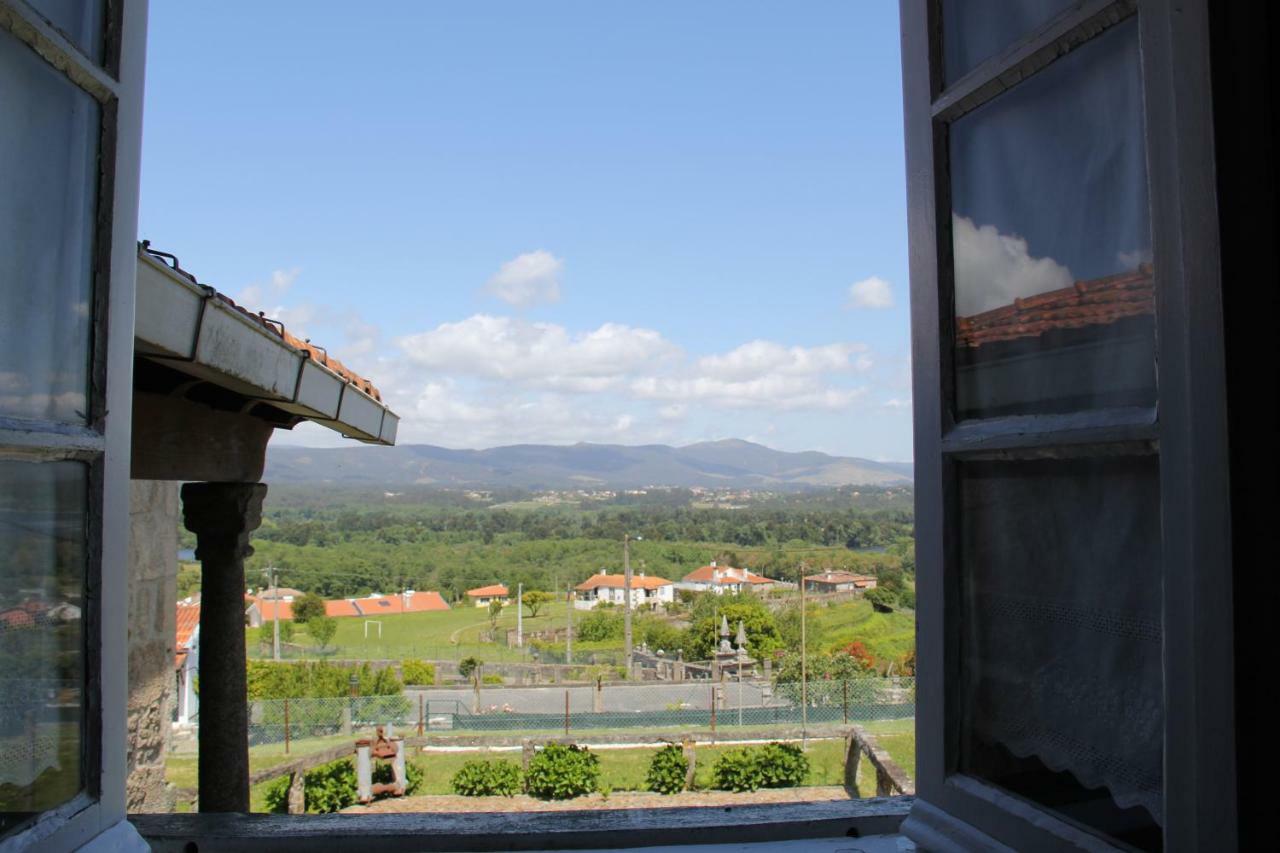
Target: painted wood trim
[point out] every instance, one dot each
(582, 830)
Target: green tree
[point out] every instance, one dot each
(322, 628)
(495, 610)
(267, 632)
(763, 637)
(535, 600)
(882, 598)
(308, 606)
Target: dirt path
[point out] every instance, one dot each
(617, 800)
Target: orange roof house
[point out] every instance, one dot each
(482, 595)
(604, 588)
(716, 578)
(187, 622)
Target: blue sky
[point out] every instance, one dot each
(555, 221)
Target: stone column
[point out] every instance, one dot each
(222, 515)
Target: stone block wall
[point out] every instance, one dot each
(153, 580)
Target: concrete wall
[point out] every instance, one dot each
(153, 575)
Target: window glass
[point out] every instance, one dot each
(79, 20)
(1054, 293)
(1060, 689)
(975, 30)
(48, 183)
(42, 571)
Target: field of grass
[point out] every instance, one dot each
(443, 635)
(888, 636)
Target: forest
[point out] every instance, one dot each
(354, 543)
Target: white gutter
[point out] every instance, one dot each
(182, 325)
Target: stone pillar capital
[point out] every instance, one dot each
(222, 515)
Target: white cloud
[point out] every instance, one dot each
(528, 279)
(761, 358)
(993, 269)
(538, 354)
(776, 392)
(873, 292)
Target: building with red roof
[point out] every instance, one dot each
(604, 588)
(838, 581)
(721, 579)
(482, 595)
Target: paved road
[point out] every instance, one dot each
(623, 697)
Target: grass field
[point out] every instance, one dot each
(456, 633)
(444, 635)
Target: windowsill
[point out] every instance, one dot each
(584, 830)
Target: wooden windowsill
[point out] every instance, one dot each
(617, 828)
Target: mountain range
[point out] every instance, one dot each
(729, 463)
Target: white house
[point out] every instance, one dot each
(604, 588)
(482, 595)
(722, 579)
(187, 661)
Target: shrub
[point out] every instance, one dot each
(331, 787)
(599, 625)
(560, 772)
(418, 672)
(667, 770)
(492, 678)
(487, 779)
(774, 765)
(737, 770)
(882, 598)
(782, 765)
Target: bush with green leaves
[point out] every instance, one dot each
(332, 787)
(491, 678)
(882, 598)
(667, 770)
(737, 770)
(562, 772)
(782, 765)
(487, 779)
(418, 672)
(773, 765)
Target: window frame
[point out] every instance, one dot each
(1189, 432)
(103, 442)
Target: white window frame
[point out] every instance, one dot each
(98, 812)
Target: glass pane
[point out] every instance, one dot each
(79, 20)
(1051, 240)
(975, 30)
(42, 572)
(1060, 696)
(48, 183)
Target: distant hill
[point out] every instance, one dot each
(730, 463)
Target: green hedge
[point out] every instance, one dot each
(667, 770)
(418, 672)
(487, 779)
(317, 680)
(560, 772)
(773, 765)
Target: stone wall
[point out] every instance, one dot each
(153, 576)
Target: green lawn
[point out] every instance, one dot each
(443, 635)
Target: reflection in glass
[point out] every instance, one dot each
(42, 571)
(1051, 240)
(48, 164)
(79, 20)
(975, 30)
(1060, 694)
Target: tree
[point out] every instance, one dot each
(267, 631)
(306, 607)
(882, 598)
(495, 610)
(535, 600)
(322, 629)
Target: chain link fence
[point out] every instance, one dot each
(641, 709)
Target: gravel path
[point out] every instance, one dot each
(617, 800)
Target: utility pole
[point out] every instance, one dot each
(626, 594)
(568, 635)
(804, 666)
(520, 616)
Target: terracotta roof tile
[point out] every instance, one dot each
(619, 582)
(1096, 302)
(187, 622)
(728, 575)
(495, 589)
